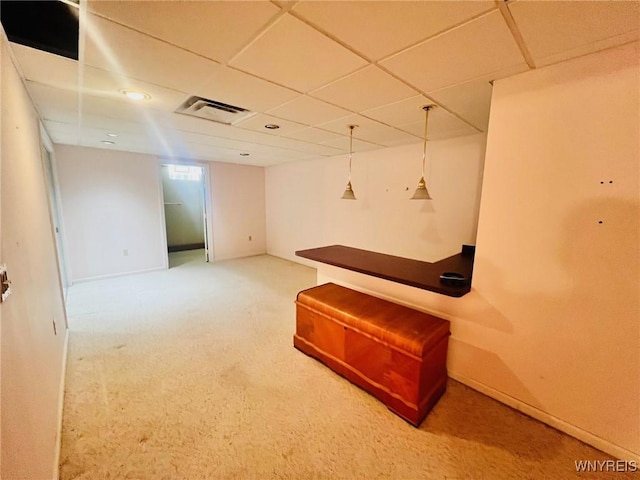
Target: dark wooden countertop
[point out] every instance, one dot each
(416, 273)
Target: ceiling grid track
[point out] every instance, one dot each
(503, 7)
(272, 21)
(384, 69)
(310, 67)
(426, 95)
(104, 17)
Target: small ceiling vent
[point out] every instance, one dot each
(212, 110)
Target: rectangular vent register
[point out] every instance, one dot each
(213, 110)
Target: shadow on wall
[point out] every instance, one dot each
(568, 342)
(466, 414)
(489, 370)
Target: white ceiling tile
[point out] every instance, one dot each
(125, 141)
(364, 89)
(109, 85)
(46, 68)
(110, 108)
(314, 135)
(64, 138)
(400, 113)
(564, 29)
(471, 101)
(342, 143)
(56, 104)
(61, 132)
(451, 68)
(481, 47)
(214, 29)
(216, 153)
(113, 125)
(201, 138)
(377, 28)
(247, 136)
(138, 147)
(237, 88)
(309, 111)
(131, 54)
(325, 149)
(192, 124)
(257, 123)
(370, 131)
(297, 56)
(442, 124)
(185, 123)
(61, 127)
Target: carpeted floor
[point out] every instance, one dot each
(190, 373)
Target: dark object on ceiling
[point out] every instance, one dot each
(48, 25)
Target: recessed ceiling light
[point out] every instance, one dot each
(135, 95)
(244, 154)
(108, 142)
(112, 134)
(272, 126)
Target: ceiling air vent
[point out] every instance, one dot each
(212, 110)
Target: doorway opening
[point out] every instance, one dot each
(55, 213)
(185, 213)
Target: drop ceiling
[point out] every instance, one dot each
(311, 67)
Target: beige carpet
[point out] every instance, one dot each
(190, 373)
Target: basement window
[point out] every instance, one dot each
(185, 172)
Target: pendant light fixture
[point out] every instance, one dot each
(421, 192)
(348, 192)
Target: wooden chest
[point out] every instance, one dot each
(393, 352)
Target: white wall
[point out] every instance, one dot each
(552, 323)
(183, 210)
(112, 201)
(304, 209)
(566, 286)
(32, 354)
(112, 211)
(238, 210)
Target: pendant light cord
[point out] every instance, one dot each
(351, 127)
(424, 146)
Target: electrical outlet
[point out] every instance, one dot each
(125, 252)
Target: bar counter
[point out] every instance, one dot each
(416, 273)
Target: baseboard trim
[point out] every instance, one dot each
(63, 376)
(115, 275)
(220, 258)
(548, 419)
(181, 248)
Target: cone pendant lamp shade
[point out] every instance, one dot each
(421, 192)
(348, 192)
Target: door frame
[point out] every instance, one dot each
(207, 204)
(55, 211)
